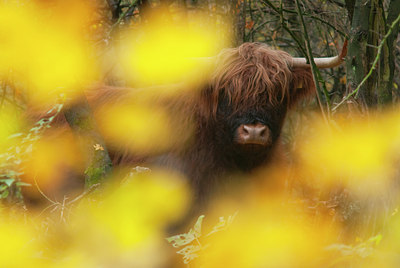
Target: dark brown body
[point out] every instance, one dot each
(235, 118)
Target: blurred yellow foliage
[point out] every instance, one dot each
(18, 246)
(53, 161)
(10, 124)
(45, 52)
(42, 45)
(361, 153)
(165, 52)
(267, 234)
(127, 227)
(139, 128)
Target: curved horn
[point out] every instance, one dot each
(322, 62)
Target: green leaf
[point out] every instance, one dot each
(222, 224)
(345, 250)
(9, 182)
(29, 149)
(197, 226)
(21, 183)
(375, 239)
(181, 239)
(4, 194)
(189, 253)
(186, 238)
(15, 135)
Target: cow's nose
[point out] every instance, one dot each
(253, 134)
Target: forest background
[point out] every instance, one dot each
(341, 180)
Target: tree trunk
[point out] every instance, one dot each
(379, 78)
(357, 54)
(238, 16)
(368, 28)
(350, 8)
(393, 12)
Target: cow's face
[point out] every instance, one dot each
(244, 104)
(259, 125)
(248, 135)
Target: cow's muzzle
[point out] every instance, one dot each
(258, 134)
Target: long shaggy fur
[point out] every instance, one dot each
(254, 71)
(251, 83)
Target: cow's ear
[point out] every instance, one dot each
(207, 104)
(302, 85)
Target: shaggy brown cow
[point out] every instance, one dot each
(238, 115)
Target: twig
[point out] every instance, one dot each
(268, 3)
(122, 16)
(259, 26)
(355, 91)
(46, 208)
(62, 209)
(55, 205)
(316, 18)
(327, 23)
(85, 193)
(314, 70)
(43, 194)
